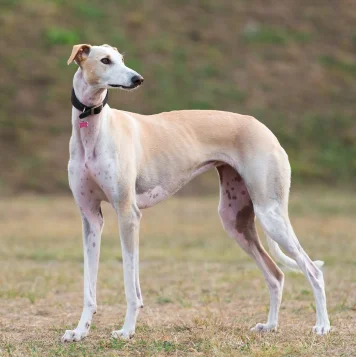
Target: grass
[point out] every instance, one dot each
(61, 36)
(256, 34)
(291, 64)
(339, 65)
(201, 292)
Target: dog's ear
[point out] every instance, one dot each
(79, 53)
(114, 48)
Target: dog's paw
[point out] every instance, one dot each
(74, 335)
(264, 328)
(124, 334)
(321, 329)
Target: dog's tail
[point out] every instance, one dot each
(277, 253)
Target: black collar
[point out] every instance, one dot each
(86, 111)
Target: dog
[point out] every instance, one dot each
(134, 161)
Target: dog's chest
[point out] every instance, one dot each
(102, 171)
(92, 166)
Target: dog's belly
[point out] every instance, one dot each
(151, 197)
(150, 193)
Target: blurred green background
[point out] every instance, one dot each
(292, 64)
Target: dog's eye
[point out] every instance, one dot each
(105, 61)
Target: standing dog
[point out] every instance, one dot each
(134, 161)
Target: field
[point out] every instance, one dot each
(291, 64)
(202, 294)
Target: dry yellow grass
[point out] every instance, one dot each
(201, 292)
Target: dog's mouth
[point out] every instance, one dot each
(132, 86)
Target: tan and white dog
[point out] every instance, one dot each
(134, 161)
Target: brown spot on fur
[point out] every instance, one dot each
(94, 244)
(234, 197)
(91, 72)
(228, 194)
(243, 192)
(238, 178)
(245, 218)
(87, 325)
(273, 268)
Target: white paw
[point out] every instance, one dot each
(74, 335)
(124, 334)
(264, 328)
(321, 329)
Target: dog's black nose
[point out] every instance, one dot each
(137, 80)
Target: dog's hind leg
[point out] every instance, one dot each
(238, 218)
(275, 222)
(270, 200)
(92, 220)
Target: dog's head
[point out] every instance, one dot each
(104, 67)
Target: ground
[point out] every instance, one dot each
(202, 294)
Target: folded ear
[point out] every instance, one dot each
(79, 53)
(114, 48)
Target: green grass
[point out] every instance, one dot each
(333, 63)
(284, 66)
(88, 12)
(257, 34)
(61, 36)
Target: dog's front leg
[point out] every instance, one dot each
(129, 222)
(92, 220)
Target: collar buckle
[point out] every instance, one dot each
(92, 109)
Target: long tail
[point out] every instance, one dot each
(277, 253)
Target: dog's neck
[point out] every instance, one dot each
(89, 96)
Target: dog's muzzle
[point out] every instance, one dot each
(136, 81)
